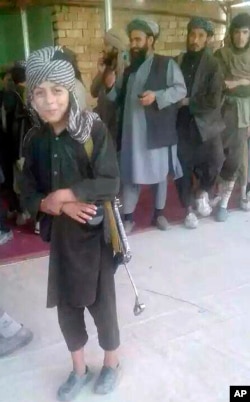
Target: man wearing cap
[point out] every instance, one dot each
(199, 122)
(114, 58)
(234, 59)
(147, 94)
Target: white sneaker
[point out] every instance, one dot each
(27, 215)
(215, 201)
(5, 237)
(21, 219)
(37, 228)
(245, 205)
(191, 221)
(128, 227)
(202, 205)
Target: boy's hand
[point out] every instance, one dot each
(65, 195)
(52, 204)
(79, 211)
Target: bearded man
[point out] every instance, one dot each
(147, 94)
(200, 123)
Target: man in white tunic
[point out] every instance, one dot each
(147, 94)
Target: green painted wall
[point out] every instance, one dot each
(40, 27)
(11, 39)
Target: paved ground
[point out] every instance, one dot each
(192, 341)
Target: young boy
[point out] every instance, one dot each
(61, 182)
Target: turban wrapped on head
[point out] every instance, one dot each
(50, 64)
(145, 25)
(54, 65)
(117, 39)
(201, 23)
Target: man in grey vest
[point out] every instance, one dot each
(200, 122)
(147, 94)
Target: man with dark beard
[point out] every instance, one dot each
(234, 60)
(114, 58)
(199, 122)
(147, 94)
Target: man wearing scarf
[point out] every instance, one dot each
(63, 183)
(147, 94)
(199, 122)
(234, 60)
(114, 58)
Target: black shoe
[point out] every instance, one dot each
(107, 380)
(72, 387)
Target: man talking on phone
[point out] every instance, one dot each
(147, 95)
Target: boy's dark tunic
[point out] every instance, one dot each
(78, 252)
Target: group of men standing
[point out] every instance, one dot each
(187, 117)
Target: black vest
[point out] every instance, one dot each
(161, 124)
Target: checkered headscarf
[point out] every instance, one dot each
(53, 64)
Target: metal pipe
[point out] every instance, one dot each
(108, 14)
(25, 30)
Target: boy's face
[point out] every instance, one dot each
(51, 101)
(241, 37)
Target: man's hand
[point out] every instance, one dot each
(109, 79)
(147, 98)
(236, 83)
(231, 84)
(79, 211)
(184, 102)
(244, 82)
(100, 65)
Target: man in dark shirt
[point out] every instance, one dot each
(15, 124)
(199, 122)
(64, 183)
